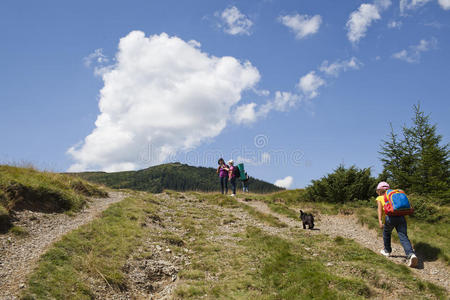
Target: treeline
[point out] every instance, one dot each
(173, 176)
(413, 160)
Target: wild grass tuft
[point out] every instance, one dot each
(27, 188)
(96, 250)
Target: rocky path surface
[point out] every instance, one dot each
(348, 227)
(18, 255)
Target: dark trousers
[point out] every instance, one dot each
(233, 184)
(224, 184)
(399, 223)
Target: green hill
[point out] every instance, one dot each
(173, 176)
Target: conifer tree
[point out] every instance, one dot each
(417, 162)
(433, 166)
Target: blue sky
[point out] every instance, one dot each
(292, 88)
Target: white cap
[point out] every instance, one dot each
(231, 161)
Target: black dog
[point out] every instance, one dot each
(307, 219)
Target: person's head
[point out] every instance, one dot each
(221, 161)
(231, 162)
(382, 187)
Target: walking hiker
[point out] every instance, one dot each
(233, 174)
(391, 222)
(222, 170)
(245, 183)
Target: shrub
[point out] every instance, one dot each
(343, 185)
(425, 210)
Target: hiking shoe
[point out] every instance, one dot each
(412, 260)
(233, 195)
(385, 253)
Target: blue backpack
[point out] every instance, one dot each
(396, 203)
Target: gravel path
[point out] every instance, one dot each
(18, 255)
(348, 227)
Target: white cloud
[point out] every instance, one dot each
(249, 113)
(162, 95)
(445, 4)
(308, 86)
(95, 57)
(411, 4)
(310, 83)
(382, 4)
(395, 24)
(414, 53)
(338, 66)
(257, 159)
(362, 18)
(302, 25)
(234, 22)
(245, 114)
(285, 182)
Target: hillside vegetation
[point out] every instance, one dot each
(27, 188)
(428, 227)
(173, 176)
(209, 246)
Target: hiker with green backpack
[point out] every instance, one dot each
(395, 206)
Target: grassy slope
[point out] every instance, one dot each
(246, 263)
(43, 191)
(174, 176)
(428, 228)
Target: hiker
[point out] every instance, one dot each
(233, 176)
(245, 183)
(391, 222)
(222, 170)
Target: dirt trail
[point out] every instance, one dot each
(18, 256)
(348, 227)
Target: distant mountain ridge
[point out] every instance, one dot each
(173, 176)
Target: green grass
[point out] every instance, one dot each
(27, 188)
(19, 231)
(226, 201)
(97, 250)
(427, 228)
(287, 273)
(241, 262)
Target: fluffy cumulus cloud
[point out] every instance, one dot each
(445, 4)
(339, 66)
(285, 182)
(162, 95)
(234, 22)
(246, 113)
(302, 25)
(360, 20)
(414, 53)
(310, 83)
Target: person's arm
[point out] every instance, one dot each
(380, 214)
(218, 169)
